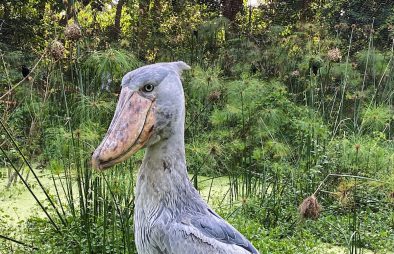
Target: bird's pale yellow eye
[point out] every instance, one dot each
(148, 88)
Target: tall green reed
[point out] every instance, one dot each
(91, 212)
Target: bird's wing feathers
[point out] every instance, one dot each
(202, 234)
(215, 227)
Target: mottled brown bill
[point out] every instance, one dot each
(130, 129)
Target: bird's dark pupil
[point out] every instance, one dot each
(148, 88)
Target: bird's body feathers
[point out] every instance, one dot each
(170, 216)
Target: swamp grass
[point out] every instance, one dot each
(257, 145)
(260, 194)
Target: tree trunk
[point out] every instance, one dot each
(142, 30)
(7, 12)
(70, 12)
(118, 16)
(230, 8)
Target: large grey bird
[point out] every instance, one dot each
(170, 216)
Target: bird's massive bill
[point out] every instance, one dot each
(130, 129)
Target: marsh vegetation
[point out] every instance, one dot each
(289, 123)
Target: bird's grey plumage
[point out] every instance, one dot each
(170, 216)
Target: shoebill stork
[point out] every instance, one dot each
(170, 216)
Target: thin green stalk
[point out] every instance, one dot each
(357, 105)
(210, 188)
(344, 175)
(383, 75)
(345, 80)
(115, 202)
(31, 191)
(58, 195)
(20, 82)
(18, 242)
(32, 171)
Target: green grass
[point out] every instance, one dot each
(302, 237)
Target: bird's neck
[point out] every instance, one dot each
(170, 151)
(163, 171)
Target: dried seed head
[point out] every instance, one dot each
(56, 49)
(344, 26)
(334, 55)
(295, 73)
(310, 208)
(73, 32)
(214, 96)
(213, 150)
(345, 194)
(357, 146)
(368, 29)
(346, 200)
(54, 17)
(124, 43)
(78, 133)
(309, 26)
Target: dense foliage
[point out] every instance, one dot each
(285, 100)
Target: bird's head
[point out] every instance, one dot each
(150, 104)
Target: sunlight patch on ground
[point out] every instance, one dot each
(214, 190)
(17, 203)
